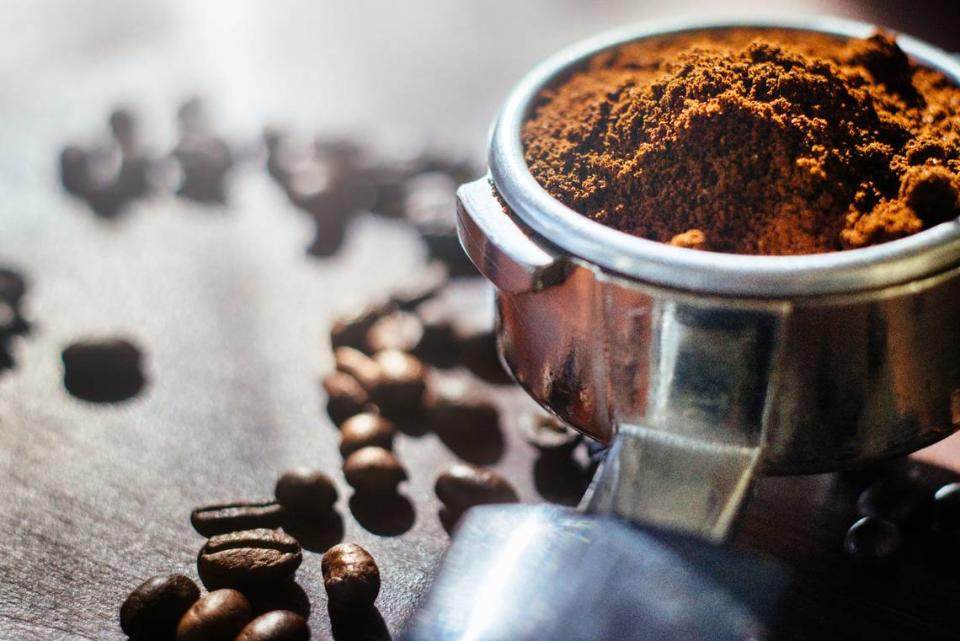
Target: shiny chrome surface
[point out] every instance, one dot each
(712, 367)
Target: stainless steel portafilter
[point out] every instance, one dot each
(702, 370)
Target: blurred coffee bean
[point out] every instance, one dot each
(374, 470)
(12, 286)
(345, 396)
(946, 510)
(9, 319)
(871, 540)
(465, 420)
(328, 237)
(548, 434)
(439, 345)
(364, 430)
(103, 370)
(306, 493)
(350, 576)
(463, 486)
(217, 616)
(204, 161)
(248, 559)
(73, 171)
(480, 355)
(431, 206)
(398, 390)
(153, 610)
(233, 517)
(427, 284)
(893, 498)
(123, 126)
(351, 330)
(398, 331)
(279, 625)
(361, 367)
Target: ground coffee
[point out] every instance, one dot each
(752, 141)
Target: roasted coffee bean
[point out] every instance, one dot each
(364, 430)
(103, 370)
(548, 434)
(306, 493)
(872, 540)
(74, 173)
(234, 517)
(350, 576)
(374, 470)
(358, 365)
(461, 414)
(398, 391)
(894, 499)
(204, 162)
(463, 486)
(345, 397)
(398, 331)
(279, 625)
(217, 616)
(946, 509)
(351, 331)
(248, 559)
(439, 345)
(123, 126)
(154, 608)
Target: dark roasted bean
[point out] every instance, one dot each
(364, 430)
(358, 365)
(463, 486)
(234, 517)
(351, 331)
(345, 396)
(248, 559)
(217, 616)
(872, 540)
(398, 391)
(306, 493)
(374, 470)
(154, 608)
(103, 370)
(399, 331)
(548, 434)
(279, 625)
(894, 499)
(350, 576)
(204, 162)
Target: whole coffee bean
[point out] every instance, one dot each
(103, 370)
(345, 396)
(233, 517)
(439, 345)
(374, 470)
(351, 331)
(250, 558)
(364, 430)
(204, 161)
(456, 405)
(400, 331)
(74, 171)
(548, 434)
(358, 365)
(279, 625)
(306, 493)
(217, 616)
(398, 391)
(463, 486)
(154, 608)
(946, 509)
(872, 540)
(894, 499)
(350, 576)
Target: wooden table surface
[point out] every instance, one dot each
(233, 316)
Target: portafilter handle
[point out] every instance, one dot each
(690, 480)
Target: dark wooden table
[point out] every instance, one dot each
(233, 315)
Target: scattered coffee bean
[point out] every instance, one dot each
(461, 414)
(398, 391)
(345, 397)
(351, 331)
(73, 171)
(400, 331)
(234, 517)
(463, 486)
(548, 434)
(374, 470)
(358, 365)
(217, 616)
(103, 370)
(364, 430)
(350, 576)
(946, 509)
(204, 162)
(248, 559)
(279, 625)
(872, 540)
(154, 608)
(894, 499)
(439, 345)
(306, 493)
(123, 127)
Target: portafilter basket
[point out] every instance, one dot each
(703, 369)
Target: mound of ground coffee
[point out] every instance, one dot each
(752, 141)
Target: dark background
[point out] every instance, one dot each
(233, 315)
